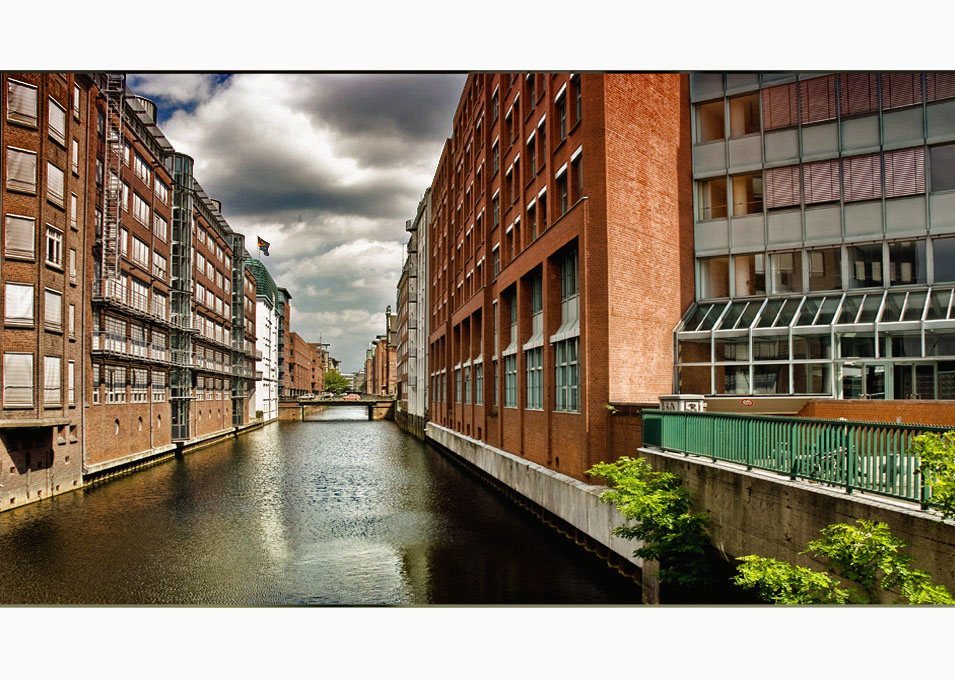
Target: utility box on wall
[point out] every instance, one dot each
(683, 402)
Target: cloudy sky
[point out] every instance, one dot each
(327, 168)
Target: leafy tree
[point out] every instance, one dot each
(936, 454)
(783, 583)
(659, 507)
(865, 553)
(335, 382)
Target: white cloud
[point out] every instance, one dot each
(175, 88)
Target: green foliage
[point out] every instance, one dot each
(937, 463)
(659, 507)
(335, 382)
(783, 583)
(865, 553)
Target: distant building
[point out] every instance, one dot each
(267, 323)
(301, 358)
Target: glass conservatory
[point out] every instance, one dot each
(884, 344)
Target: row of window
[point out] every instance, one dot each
(215, 248)
(857, 178)
(22, 108)
(895, 263)
(205, 267)
(112, 381)
(19, 308)
(18, 381)
(818, 100)
(22, 175)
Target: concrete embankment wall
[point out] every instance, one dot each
(576, 503)
(757, 512)
(412, 424)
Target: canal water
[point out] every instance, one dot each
(337, 511)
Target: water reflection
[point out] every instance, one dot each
(332, 512)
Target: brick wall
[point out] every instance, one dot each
(889, 411)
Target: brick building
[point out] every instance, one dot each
(824, 243)
(283, 299)
(301, 361)
(319, 366)
(560, 204)
(108, 235)
(47, 198)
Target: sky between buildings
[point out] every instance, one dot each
(327, 168)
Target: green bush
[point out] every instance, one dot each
(659, 507)
(937, 463)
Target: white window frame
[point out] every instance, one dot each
(12, 251)
(22, 321)
(10, 401)
(54, 236)
(29, 91)
(20, 184)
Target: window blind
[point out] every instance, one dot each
(53, 309)
(57, 122)
(20, 241)
(52, 382)
(54, 183)
(858, 93)
(779, 107)
(822, 181)
(862, 177)
(901, 89)
(21, 105)
(905, 172)
(782, 187)
(17, 379)
(19, 303)
(818, 99)
(21, 170)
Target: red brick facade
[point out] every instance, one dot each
(593, 165)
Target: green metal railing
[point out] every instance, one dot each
(871, 457)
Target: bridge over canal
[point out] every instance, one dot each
(379, 408)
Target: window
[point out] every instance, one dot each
(750, 275)
(19, 241)
(905, 172)
(76, 101)
(54, 184)
(140, 252)
(159, 266)
(97, 382)
(467, 384)
(510, 130)
(901, 89)
(73, 266)
(124, 192)
(532, 219)
(865, 265)
(710, 122)
(53, 310)
(825, 269)
(529, 87)
(141, 168)
(17, 379)
(858, 93)
(18, 298)
(160, 227)
(713, 199)
(944, 258)
(495, 159)
(510, 381)
(478, 384)
(714, 277)
(541, 143)
(73, 216)
(862, 177)
(124, 241)
(162, 191)
(115, 385)
(747, 194)
(496, 210)
(54, 246)
(21, 170)
(495, 106)
(71, 383)
(52, 381)
(567, 377)
(75, 158)
(818, 99)
(534, 378)
(531, 156)
(821, 181)
(140, 391)
(907, 263)
(560, 109)
(942, 159)
(496, 260)
(21, 103)
(71, 321)
(56, 120)
(787, 271)
(578, 98)
(562, 195)
(140, 209)
(99, 171)
(744, 115)
(577, 177)
(779, 107)
(159, 386)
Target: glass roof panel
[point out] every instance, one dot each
(696, 316)
(893, 308)
(732, 316)
(870, 307)
(770, 311)
(746, 318)
(808, 311)
(828, 311)
(850, 308)
(790, 305)
(914, 307)
(712, 317)
(938, 305)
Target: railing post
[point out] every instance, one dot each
(850, 459)
(792, 450)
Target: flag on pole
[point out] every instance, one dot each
(263, 245)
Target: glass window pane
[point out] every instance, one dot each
(857, 345)
(732, 380)
(825, 269)
(732, 316)
(865, 265)
(908, 344)
(714, 277)
(731, 349)
(914, 307)
(939, 343)
(938, 304)
(787, 272)
(788, 311)
(943, 167)
(769, 313)
(710, 121)
(828, 311)
(850, 308)
(812, 378)
(893, 308)
(744, 115)
(771, 379)
(712, 317)
(809, 310)
(746, 318)
(944, 258)
(748, 194)
(696, 316)
(750, 274)
(870, 308)
(814, 346)
(907, 263)
(713, 199)
(770, 347)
